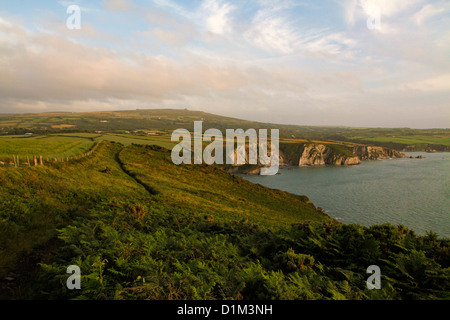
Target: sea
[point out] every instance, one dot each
(410, 192)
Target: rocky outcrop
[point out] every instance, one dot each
(250, 169)
(320, 155)
(376, 153)
(243, 152)
(317, 154)
(283, 160)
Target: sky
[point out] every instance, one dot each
(359, 63)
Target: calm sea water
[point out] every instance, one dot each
(412, 192)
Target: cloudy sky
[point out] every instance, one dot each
(365, 63)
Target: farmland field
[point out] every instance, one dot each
(163, 141)
(410, 140)
(68, 144)
(57, 147)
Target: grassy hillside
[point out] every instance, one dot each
(140, 227)
(63, 145)
(35, 201)
(165, 121)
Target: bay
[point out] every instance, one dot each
(412, 192)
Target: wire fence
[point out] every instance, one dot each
(17, 161)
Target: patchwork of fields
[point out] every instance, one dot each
(165, 121)
(66, 145)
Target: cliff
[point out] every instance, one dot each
(375, 153)
(320, 155)
(317, 154)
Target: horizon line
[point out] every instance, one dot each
(220, 115)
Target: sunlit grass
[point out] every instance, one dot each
(52, 148)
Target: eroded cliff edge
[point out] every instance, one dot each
(376, 153)
(322, 154)
(318, 154)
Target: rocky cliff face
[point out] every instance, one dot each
(375, 153)
(250, 169)
(320, 155)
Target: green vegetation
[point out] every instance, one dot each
(35, 201)
(341, 149)
(431, 140)
(56, 147)
(165, 121)
(292, 151)
(135, 256)
(142, 228)
(127, 139)
(61, 146)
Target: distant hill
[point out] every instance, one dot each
(167, 120)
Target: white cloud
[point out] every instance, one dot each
(212, 16)
(440, 83)
(388, 8)
(389, 12)
(235, 57)
(66, 4)
(426, 13)
(48, 67)
(350, 7)
(326, 43)
(217, 16)
(273, 34)
(174, 6)
(272, 28)
(276, 29)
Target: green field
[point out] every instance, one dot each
(163, 141)
(410, 140)
(55, 147)
(61, 146)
